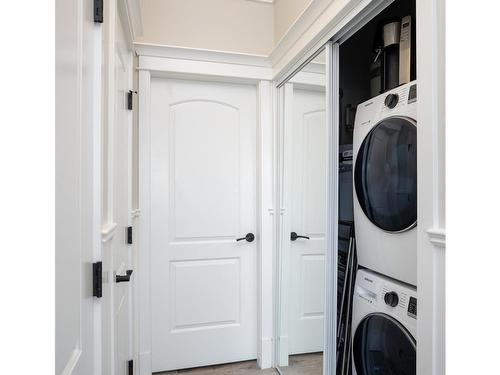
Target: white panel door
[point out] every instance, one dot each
(203, 197)
(307, 218)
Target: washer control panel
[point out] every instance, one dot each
(391, 299)
(387, 295)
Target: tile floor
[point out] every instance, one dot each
(304, 364)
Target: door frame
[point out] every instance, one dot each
(128, 11)
(285, 112)
(314, 79)
(184, 63)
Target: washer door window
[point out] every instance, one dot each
(382, 346)
(385, 174)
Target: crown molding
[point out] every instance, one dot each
(199, 54)
(130, 13)
(298, 28)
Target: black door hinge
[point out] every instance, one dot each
(131, 367)
(130, 99)
(129, 235)
(98, 11)
(97, 279)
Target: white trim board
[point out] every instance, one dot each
(178, 61)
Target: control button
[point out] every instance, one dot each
(391, 299)
(412, 307)
(391, 100)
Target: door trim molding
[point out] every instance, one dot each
(207, 64)
(237, 72)
(143, 303)
(332, 191)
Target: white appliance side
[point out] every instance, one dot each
(392, 254)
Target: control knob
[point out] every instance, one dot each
(391, 100)
(391, 299)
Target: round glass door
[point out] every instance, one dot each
(385, 174)
(382, 346)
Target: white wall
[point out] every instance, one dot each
(226, 25)
(286, 13)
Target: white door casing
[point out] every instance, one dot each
(307, 215)
(122, 203)
(203, 197)
(117, 193)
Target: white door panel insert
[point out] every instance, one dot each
(307, 218)
(203, 195)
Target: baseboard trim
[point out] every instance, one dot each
(265, 359)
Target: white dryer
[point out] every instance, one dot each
(385, 183)
(384, 326)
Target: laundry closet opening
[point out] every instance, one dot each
(377, 246)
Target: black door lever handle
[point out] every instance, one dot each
(294, 236)
(249, 237)
(124, 278)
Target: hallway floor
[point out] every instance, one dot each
(304, 364)
(238, 368)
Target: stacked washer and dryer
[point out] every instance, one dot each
(385, 214)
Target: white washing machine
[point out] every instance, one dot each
(385, 183)
(384, 326)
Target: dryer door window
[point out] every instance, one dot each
(385, 175)
(383, 346)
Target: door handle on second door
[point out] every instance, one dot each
(249, 237)
(124, 278)
(294, 236)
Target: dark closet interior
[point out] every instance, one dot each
(356, 56)
(358, 59)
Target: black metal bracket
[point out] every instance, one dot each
(99, 11)
(130, 99)
(97, 279)
(131, 367)
(129, 235)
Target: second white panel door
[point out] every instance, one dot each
(307, 218)
(203, 198)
